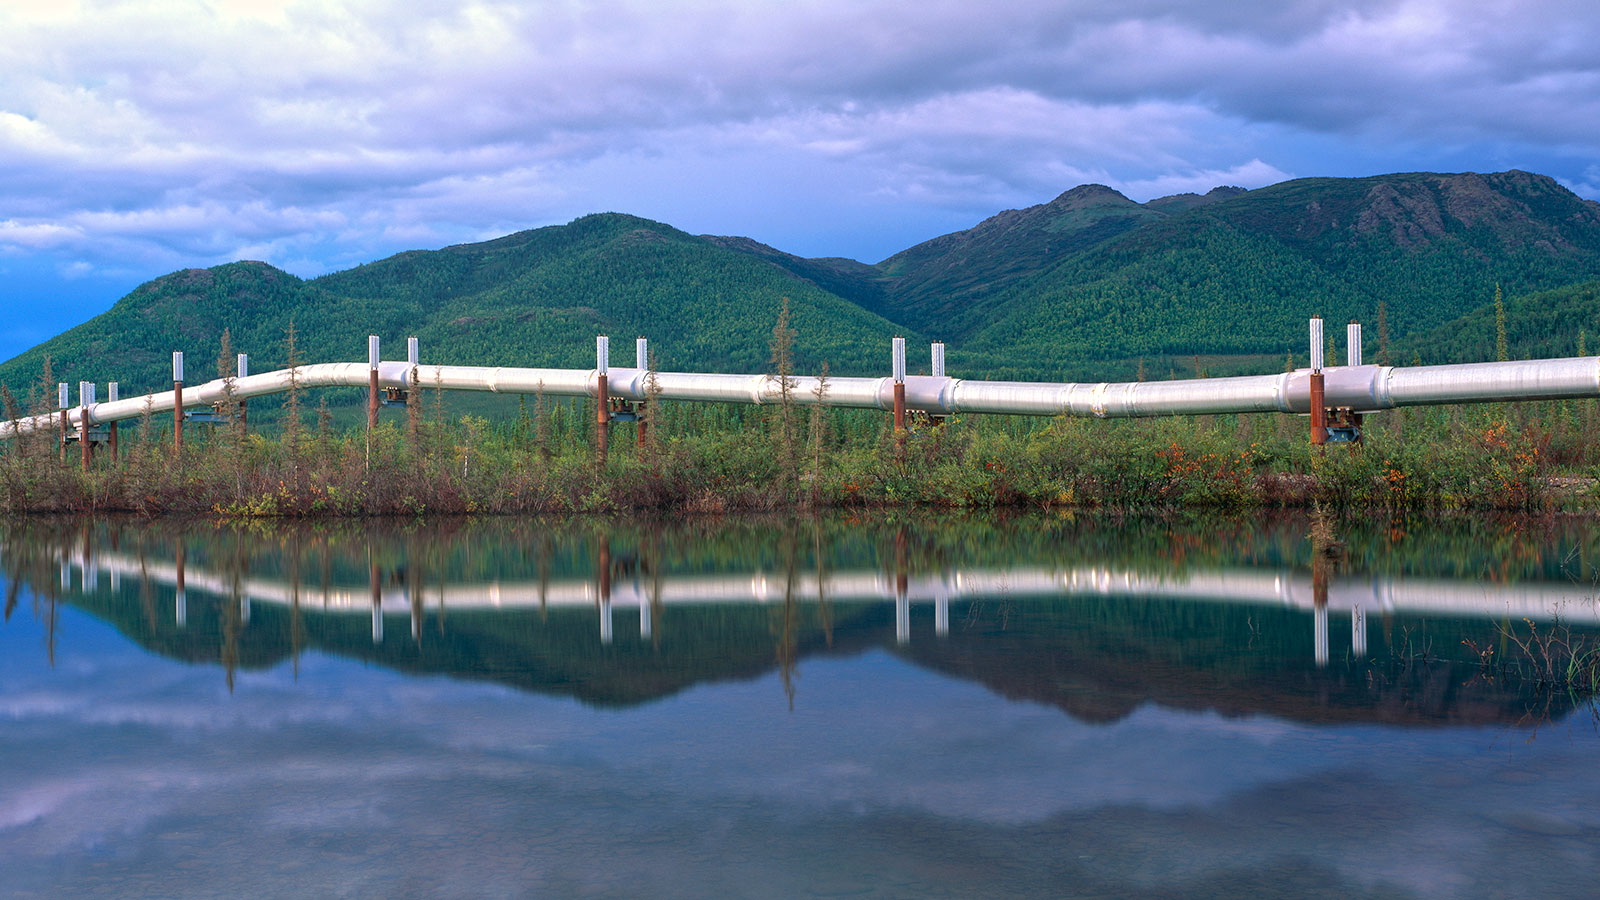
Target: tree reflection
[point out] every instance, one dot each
(1092, 617)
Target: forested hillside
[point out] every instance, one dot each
(1090, 285)
(1560, 322)
(1241, 275)
(535, 298)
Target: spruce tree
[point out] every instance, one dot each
(1500, 352)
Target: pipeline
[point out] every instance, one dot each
(1360, 388)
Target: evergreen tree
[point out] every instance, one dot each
(1383, 333)
(1500, 352)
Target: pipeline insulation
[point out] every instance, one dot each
(1360, 388)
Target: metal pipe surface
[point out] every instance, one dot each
(1363, 388)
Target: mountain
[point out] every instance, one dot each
(535, 298)
(1176, 203)
(1242, 274)
(1082, 287)
(945, 281)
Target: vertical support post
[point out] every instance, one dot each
(1352, 334)
(902, 600)
(1319, 409)
(412, 353)
(111, 429)
(604, 577)
(62, 398)
(85, 397)
(602, 409)
(414, 597)
(941, 610)
(938, 359)
(177, 405)
(180, 601)
(641, 361)
(85, 565)
(377, 603)
(898, 352)
(244, 372)
(1358, 631)
(372, 381)
(1319, 612)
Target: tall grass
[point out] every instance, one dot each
(710, 457)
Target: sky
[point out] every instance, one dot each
(137, 138)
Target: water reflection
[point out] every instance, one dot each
(1074, 615)
(998, 708)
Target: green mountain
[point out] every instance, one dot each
(1242, 274)
(534, 298)
(950, 277)
(1083, 287)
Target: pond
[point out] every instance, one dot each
(1030, 706)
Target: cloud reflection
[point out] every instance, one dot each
(142, 774)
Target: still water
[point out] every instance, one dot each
(1026, 707)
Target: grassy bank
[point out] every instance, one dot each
(708, 458)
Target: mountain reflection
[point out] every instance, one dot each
(1093, 618)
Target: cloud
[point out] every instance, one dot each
(189, 132)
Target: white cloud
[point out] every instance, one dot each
(185, 131)
(1252, 174)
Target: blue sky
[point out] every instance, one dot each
(138, 138)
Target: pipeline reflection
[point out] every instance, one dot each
(1090, 617)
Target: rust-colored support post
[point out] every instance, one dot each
(372, 381)
(244, 370)
(177, 405)
(1319, 408)
(111, 429)
(602, 406)
(641, 361)
(85, 397)
(898, 350)
(61, 404)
